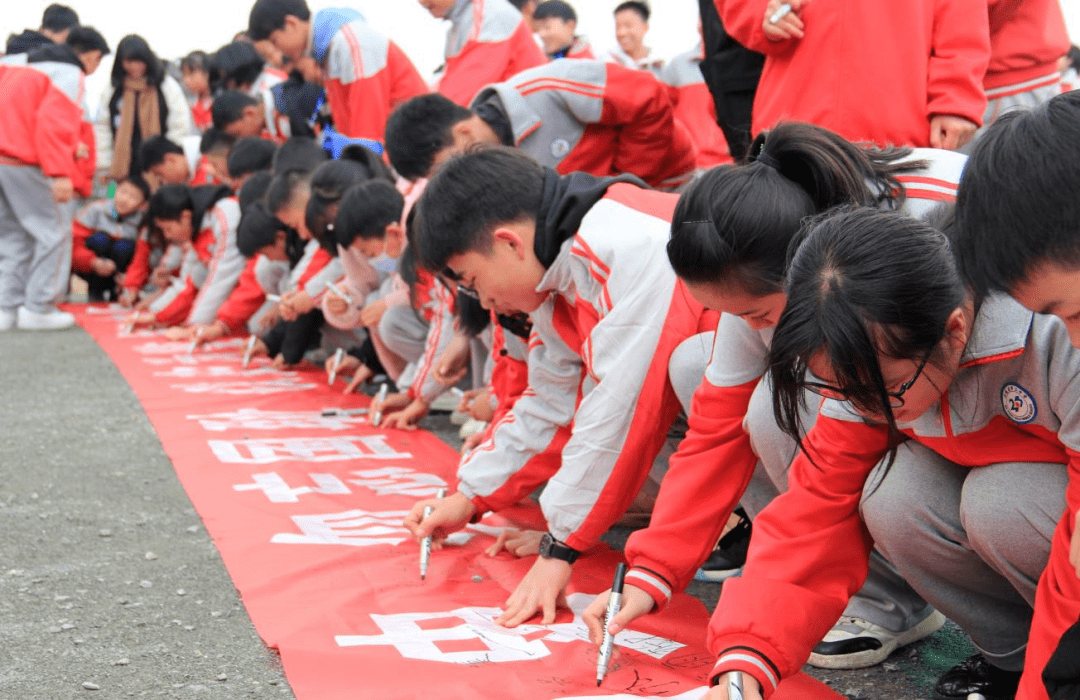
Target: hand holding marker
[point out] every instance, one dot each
(614, 600)
(780, 13)
(382, 397)
(338, 357)
(250, 350)
(425, 544)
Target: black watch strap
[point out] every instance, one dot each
(551, 548)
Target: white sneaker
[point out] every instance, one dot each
(54, 320)
(856, 643)
(7, 320)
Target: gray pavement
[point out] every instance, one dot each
(109, 585)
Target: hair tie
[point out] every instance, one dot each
(757, 153)
(767, 160)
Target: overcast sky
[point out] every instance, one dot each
(175, 28)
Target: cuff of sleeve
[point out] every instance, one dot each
(750, 662)
(653, 584)
(482, 509)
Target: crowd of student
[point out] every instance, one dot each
(868, 330)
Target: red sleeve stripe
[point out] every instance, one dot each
(1026, 86)
(733, 657)
(552, 83)
(650, 580)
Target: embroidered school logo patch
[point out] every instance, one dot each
(1018, 403)
(559, 148)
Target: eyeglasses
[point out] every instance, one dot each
(468, 291)
(896, 398)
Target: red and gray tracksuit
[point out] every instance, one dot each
(968, 512)
(367, 74)
(598, 403)
(597, 118)
(695, 108)
(716, 456)
(488, 42)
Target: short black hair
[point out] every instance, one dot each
(236, 64)
(299, 154)
(366, 210)
(251, 155)
(196, 60)
(215, 141)
(555, 8)
(57, 18)
(229, 106)
(637, 6)
(137, 181)
(269, 15)
(152, 151)
(258, 228)
(419, 129)
(469, 197)
(254, 190)
(1016, 206)
(84, 39)
(169, 202)
(329, 183)
(284, 188)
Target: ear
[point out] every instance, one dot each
(463, 131)
(957, 329)
(280, 237)
(395, 240)
(512, 239)
(251, 111)
(185, 219)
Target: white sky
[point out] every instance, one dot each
(173, 29)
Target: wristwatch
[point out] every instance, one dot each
(551, 548)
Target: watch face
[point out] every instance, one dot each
(546, 543)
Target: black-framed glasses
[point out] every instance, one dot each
(896, 398)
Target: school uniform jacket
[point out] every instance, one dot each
(598, 403)
(695, 108)
(488, 42)
(1016, 398)
(41, 124)
(715, 457)
(1026, 40)
(598, 118)
(99, 216)
(211, 267)
(244, 301)
(910, 62)
(579, 49)
(440, 316)
(367, 75)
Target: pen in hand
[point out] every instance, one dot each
(780, 13)
(614, 600)
(735, 685)
(383, 390)
(425, 544)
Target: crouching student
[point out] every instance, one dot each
(241, 116)
(729, 243)
(104, 238)
(950, 426)
(586, 116)
(202, 220)
(1021, 235)
(584, 257)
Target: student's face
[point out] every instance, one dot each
(556, 33)
(292, 38)
(178, 231)
(630, 30)
(173, 170)
(759, 312)
(128, 198)
(196, 81)
(438, 8)
(292, 214)
(90, 61)
(251, 123)
(391, 244)
(270, 53)
(1053, 289)
(504, 278)
(219, 163)
(134, 68)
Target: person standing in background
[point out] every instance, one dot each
(631, 26)
(56, 22)
(556, 24)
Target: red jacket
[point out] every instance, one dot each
(694, 107)
(870, 71)
(1026, 40)
(489, 42)
(45, 129)
(247, 298)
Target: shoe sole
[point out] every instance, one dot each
(872, 657)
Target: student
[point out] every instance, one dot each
(196, 78)
(166, 163)
(695, 107)
(586, 116)
(556, 25)
(213, 168)
(366, 74)
(601, 390)
(239, 66)
(249, 156)
(203, 220)
(729, 241)
(38, 145)
(104, 237)
(488, 42)
(240, 115)
(631, 26)
(980, 392)
(141, 101)
(56, 22)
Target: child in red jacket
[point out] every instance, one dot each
(105, 235)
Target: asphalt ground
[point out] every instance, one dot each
(109, 585)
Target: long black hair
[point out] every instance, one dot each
(134, 48)
(860, 282)
(734, 224)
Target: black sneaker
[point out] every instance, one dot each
(730, 554)
(977, 676)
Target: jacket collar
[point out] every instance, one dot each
(1000, 329)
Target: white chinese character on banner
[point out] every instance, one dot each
(501, 644)
(355, 528)
(243, 388)
(215, 371)
(305, 449)
(278, 491)
(254, 419)
(695, 694)
(399, 481)
(184, 347)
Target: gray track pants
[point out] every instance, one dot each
(35, 247)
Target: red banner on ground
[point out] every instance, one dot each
(306, 511)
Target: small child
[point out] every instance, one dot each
(104, 238)
(196, 78)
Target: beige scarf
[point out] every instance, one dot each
(137, 93)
